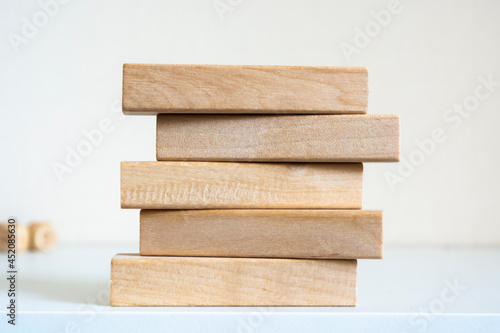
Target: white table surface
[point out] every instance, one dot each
(67, 290)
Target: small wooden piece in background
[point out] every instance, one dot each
(213, 185)
(41, 236)
(194, 281)
(21, 237)
(153, 89)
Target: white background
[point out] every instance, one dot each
(67, 78)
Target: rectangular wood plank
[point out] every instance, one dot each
(272, 233)
(193, 281)
(212, 185)
(154, 89)
(259, 138)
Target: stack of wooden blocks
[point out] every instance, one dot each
(256, 196)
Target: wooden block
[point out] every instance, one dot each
(22, 238)
(153, 89)
(210, 185)
(42, 236)
(20, 235)
(192, 281)
(327, 234)
(325, 138)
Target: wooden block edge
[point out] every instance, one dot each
(114, 303)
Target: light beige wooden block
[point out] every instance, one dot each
(210, 185)
(271, 233)
(20, 237)
(153, 89)
(192, 281)
(42, 236)
(259, 138)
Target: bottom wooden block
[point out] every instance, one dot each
(195, 281)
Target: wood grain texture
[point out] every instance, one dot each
(153, 89)
(272, 233)
(211, 185)
(42, 236)
(191, 281)
(260, 138)
(21, 237)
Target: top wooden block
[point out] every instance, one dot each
(154, 89)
